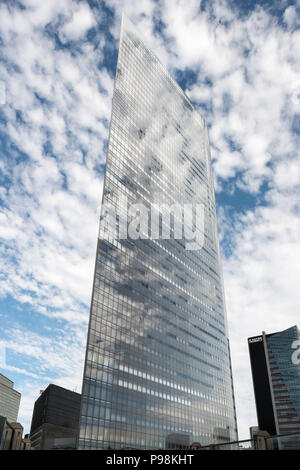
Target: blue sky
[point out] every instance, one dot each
(239, 62)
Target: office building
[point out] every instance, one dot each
(11, 436)
(9, 399)
(275, 364)
(55, 419)
(157, 370)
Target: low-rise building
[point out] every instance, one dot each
(11, 436)
(55, 419)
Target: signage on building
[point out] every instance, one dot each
(256, 339)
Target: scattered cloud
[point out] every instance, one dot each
(81, 21)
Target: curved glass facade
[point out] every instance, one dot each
(283, 350)
(157, 371)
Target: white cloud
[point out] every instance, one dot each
(291, 15)
(228, 163)
(287, 174)
(81, 21)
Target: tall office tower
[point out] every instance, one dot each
(157, 371)
(275, 364)
(9, 399)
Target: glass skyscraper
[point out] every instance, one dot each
(157, 370)
(275, 363)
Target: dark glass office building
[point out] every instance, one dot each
(55, 419)
(157, 370)
(275, 363)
